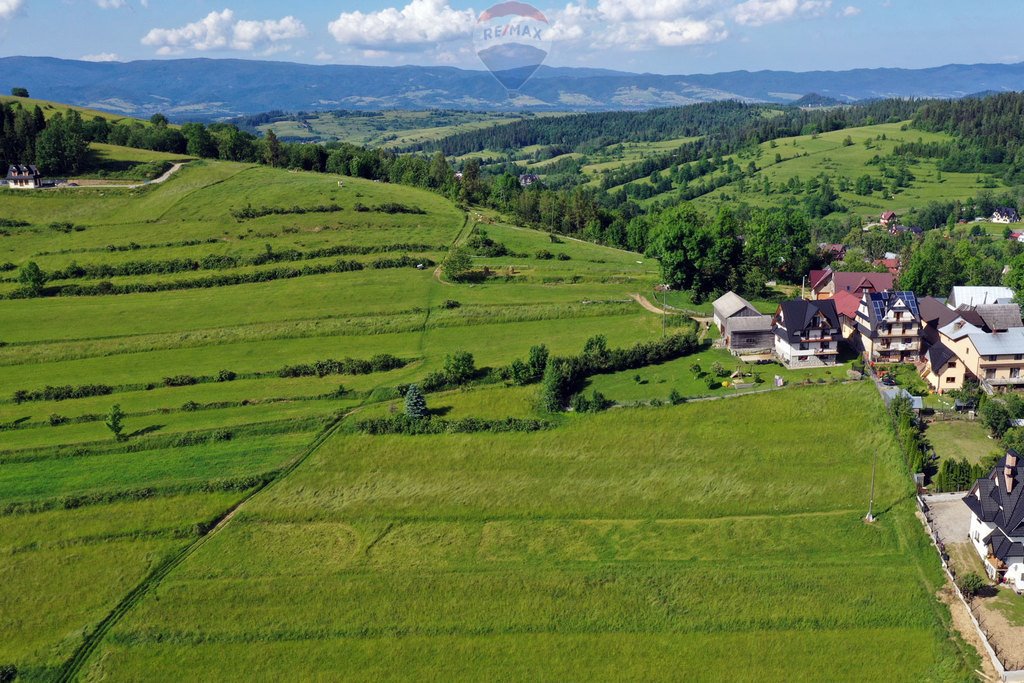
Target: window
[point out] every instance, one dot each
(993, 358)
(826, 346)
(952, 365)
(950, 380)
(1014, 373)
(990, 374)
(1018, 357)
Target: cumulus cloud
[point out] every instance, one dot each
(8, 8)
(420, 23)
(102, 57)
(221, 31)
(850, 11)
(760, 12)
(637, 25)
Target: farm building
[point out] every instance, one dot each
(21, 177)
(889, 324)
(1005, 214)
(749, 334)
(731, 305)
(806, 333)
(997, 521)
(826, 283)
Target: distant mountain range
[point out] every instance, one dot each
(205, 89)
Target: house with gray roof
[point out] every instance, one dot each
(996, 503)
(979, 296)
(731, 305)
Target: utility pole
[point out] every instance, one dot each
(871, 504)
(664, 311)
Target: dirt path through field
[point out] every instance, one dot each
(642, 300)
(86, 183)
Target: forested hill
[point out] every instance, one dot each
(205, 89)
(990, 134)
(725, 123)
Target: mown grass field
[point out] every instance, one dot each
(650, 544)
(243, 525)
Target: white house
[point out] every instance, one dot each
(807, 333)
(997, 521)
(1005, 214)
(21, 177)
(979, 296)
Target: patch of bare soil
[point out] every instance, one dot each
(965, 627)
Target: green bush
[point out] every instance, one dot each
(971, 584)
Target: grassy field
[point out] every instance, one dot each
(588, 549)
(808, 156)
(652, 544)
(960, 439)
(386, 128)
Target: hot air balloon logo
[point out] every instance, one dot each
(512, 41)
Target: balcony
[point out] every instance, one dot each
(912, 331)
(1004, 381)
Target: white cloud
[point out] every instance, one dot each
(8, 8)
(420, 23)
(102, 57)
(637, 25)
(220, 31)
(323, 55)
(850, 11)
(760, 12)
(112, 4)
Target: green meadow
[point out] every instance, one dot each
(245, 524)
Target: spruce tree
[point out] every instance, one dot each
(415, 403)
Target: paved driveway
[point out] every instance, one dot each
(950, 517)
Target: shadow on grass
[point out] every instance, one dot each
(146, 430)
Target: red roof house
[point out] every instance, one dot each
(825, 284)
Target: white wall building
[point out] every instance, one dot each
(997, 521)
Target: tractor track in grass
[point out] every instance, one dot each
(73, 667)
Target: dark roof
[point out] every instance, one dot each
(1007, 211)
(880, 303)
(907, 228)
(935, 313)
(939, 355)
(1000, 317)
(21, 170)
(796, 316)
(989, 500)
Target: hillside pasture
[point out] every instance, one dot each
(543, 554)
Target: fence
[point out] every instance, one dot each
(1014, 676)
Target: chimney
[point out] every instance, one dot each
(1010, 470)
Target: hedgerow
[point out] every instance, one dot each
(250, 212)
(404, 424)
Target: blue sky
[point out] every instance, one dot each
(662, 36)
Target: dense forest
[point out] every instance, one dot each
(989, 131)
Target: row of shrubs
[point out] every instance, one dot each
(62, 393)
(108, 288)
(390, 208)
(73, 502)
(250, 211)
(404, 424)
(76, 271)
(382, 362)
(133, 246)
